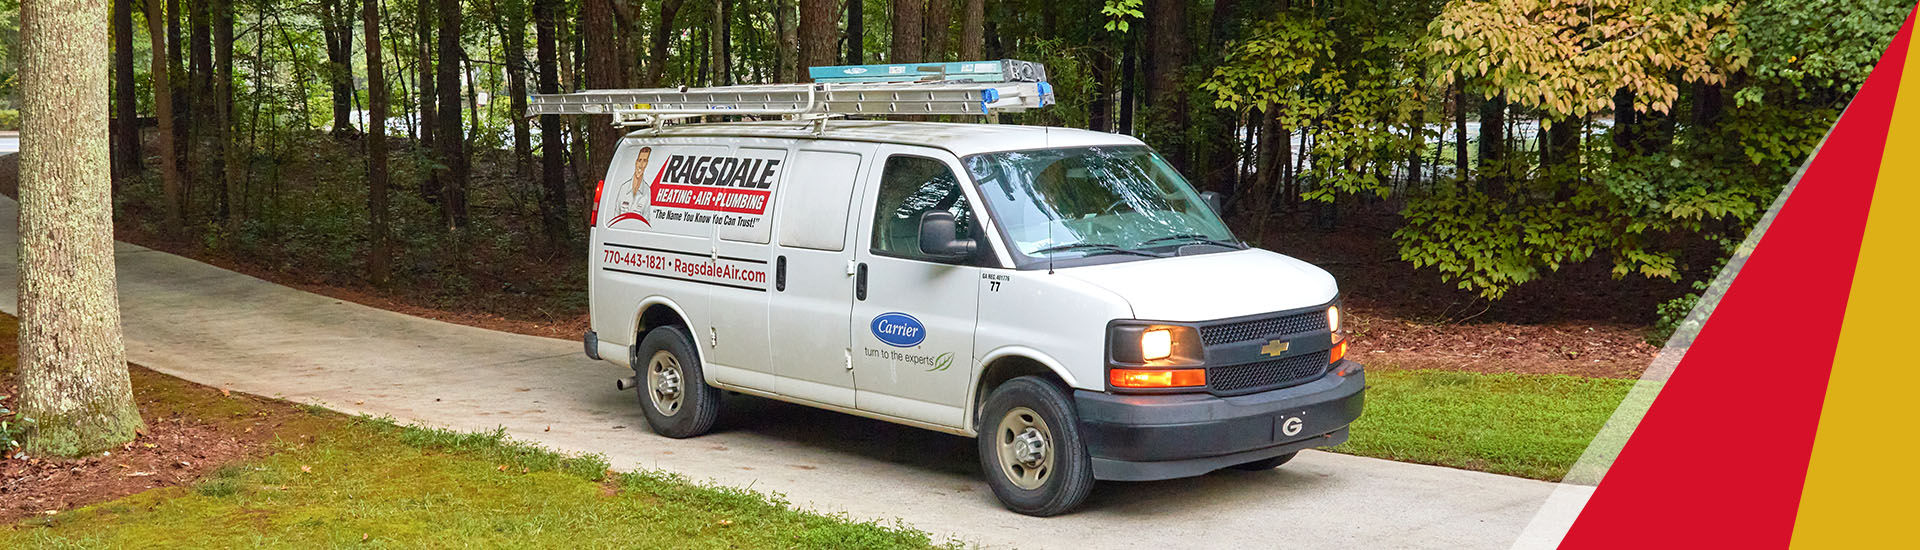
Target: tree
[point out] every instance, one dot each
(786, 59)
(722, 34)
(819, 26)
(126, 138)
(973, 21)
(336, 26)
(163, 101)
(936, 21)
(662, 33)
(908, 20)
(380, 251)
(73, 370)
(514, 37)
(430, 186)
(856, 32)
(453, 151)
(226, 157)
(1167, 28)
(553, 206)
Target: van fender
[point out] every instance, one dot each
(1004, 352)
(623, 355)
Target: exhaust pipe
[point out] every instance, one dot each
(627, 383)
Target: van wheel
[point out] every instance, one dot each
(673, 390)
(1265, 463)
(1031, 450)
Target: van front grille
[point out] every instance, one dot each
(1267, 375)
(1266, 327)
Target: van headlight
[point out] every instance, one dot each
(1136, 343)
(1333, 318)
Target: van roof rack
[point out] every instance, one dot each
(969, 88)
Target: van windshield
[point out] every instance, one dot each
(1088, 201)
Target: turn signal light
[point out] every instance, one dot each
(1339, 352)
(1157, 378)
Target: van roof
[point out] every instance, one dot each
(960, 138)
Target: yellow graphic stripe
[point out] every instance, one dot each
(1865, 468)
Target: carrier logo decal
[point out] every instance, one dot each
(899, 329)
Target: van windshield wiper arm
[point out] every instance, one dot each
(1196, 237)
(1095, 249)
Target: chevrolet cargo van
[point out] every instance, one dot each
(1063, 296)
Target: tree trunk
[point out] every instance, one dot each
(126, 137)
(553, 207)
(199, 101)
(515, 48)
(336, 26)
(163, 110)
(604, 69)
(73, 369)
(973, 19)
(380, 249)
(226, 157)
(453, 151)
(656, 57)
(429, 96)
(908, 25)
(176, 73)
(1460, 172)
(819, 28)
(722, 35)
(1167, 27)
(1129, 59)
(1100, 63)
(784, 56)
(938, 19)
(1493, 144)
(856, 32)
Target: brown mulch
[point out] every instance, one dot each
(191, 431)
(1579, 349)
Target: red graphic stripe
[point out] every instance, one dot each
(630, 216)
(1720, 458)
(715, 199)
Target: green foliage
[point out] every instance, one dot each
(1814, 50)
(12, 428)
(9, 119)
(1120, 12)
(1567, 58)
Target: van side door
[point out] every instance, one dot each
(811, 305)
(913, 314)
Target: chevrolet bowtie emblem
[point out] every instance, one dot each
(1274, 348)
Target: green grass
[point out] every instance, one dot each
(1516, 424)
(370, 482)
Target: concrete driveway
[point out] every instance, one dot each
(224, 329)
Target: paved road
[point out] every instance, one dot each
(224, 329)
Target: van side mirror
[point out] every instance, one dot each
(940, 237)
(1215, 202)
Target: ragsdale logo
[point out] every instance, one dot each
(899, 329)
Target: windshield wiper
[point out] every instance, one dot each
(1196, 237)
(1096, 249)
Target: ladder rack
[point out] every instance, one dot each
(934, 90)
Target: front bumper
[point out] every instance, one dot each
(1152, 437)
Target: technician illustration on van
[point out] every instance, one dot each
(1063, 296)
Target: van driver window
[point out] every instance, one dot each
(909, 187)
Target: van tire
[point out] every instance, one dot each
(1022, 410)
(1268, 463)
(687, 406)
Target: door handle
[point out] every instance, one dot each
(860, 283)
(780, 274)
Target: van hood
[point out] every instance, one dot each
(1212, 286)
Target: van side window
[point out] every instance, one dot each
(909, 187)
(819, 196)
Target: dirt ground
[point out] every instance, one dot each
(191, 430)
(1579, 321)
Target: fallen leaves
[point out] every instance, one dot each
(306, 469)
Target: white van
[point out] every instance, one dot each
(1061, 295)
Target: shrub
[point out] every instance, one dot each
(9, 119)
